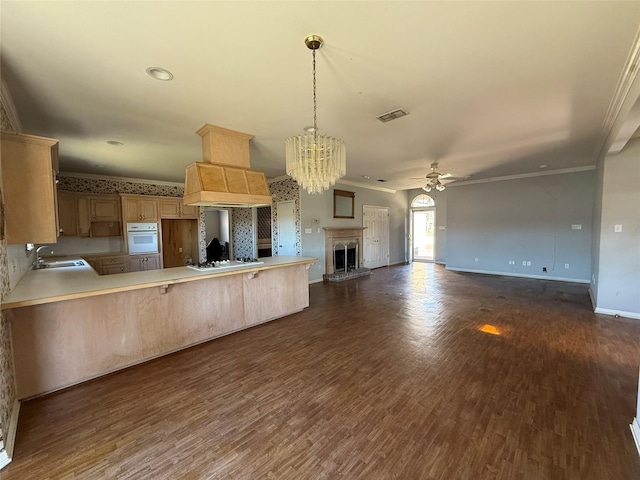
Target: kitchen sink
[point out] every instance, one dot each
(60, 264)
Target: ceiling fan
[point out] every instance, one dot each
(433, 179)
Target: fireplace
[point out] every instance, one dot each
(343, 250)
(345, 255)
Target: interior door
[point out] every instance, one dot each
(375, 236)
(286, 228)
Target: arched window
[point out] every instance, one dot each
(422, 201)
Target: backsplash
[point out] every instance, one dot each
(80, 245)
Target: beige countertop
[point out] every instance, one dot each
(56, 284)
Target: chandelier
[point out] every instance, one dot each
(433, 179)
(315, 161)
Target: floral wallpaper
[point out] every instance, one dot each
(7, 383)
(109, 185)
(242, 232)
(283, 191)
(264, 222)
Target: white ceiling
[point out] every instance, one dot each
(493, 88)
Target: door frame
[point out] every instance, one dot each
(411, 233)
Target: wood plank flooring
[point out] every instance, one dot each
(382, 377)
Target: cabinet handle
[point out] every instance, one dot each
(93, 216)
(61, 230)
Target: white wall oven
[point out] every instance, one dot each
(142, 238)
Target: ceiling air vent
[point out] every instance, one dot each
(392, 115)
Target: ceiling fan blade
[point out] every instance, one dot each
(446, 175)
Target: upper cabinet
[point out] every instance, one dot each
(105, 208)
(174, 208)
(29, 166)
(138, 208)
(85, 215)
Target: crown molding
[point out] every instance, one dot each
(341, 182)
(9, 107)
(120, 179)
(368, 187)
(625, 96)
(522, 175)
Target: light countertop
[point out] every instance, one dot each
(56, 284)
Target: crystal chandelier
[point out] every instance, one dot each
(315, 161)
(433, 180)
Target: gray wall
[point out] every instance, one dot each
(618, 275)
(440, 200)
(317, 212)
(526, 219)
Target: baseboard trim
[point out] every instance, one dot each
(518, 275)
(7, 454)
(619, 313)
(635, 431)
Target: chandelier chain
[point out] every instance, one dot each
(315, 100)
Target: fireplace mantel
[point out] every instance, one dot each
(337, 233)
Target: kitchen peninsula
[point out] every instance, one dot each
(69, 325)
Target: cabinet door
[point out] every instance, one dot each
(152, 262)
(189, 211)
(136, 263)
(84, 216)
(169, 208)
(67, 213)
(105, 210)
(30, 214)
(111, 269)
(95, 263)
(131, 210)
(149, 210)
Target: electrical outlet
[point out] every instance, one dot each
(180, 250)
(14, 265)
(476, 260)
(566, 265)
(617, 228)
(524, 263)
(544, 269)
(528, 263)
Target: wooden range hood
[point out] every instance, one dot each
(225, 178)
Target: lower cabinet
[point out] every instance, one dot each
(113, 264)
(141, 263)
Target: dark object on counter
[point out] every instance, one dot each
(214, 251)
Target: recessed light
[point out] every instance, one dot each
(160, 74)
(543, 166)
(115, 143)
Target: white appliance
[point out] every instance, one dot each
(142, 238)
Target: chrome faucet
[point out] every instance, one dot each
(39, 259)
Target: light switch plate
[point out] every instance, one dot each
(617, 228)
(308, 230)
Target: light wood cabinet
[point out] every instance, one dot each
(138, 208)
(174, 208)
(142, 263)
(114, 264)
(94, 262)
(104, 208)
(29, 165)
(67, 214)
(85, 215)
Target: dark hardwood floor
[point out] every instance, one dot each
(386, 377)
